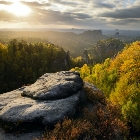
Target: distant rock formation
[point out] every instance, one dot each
(92, 33)
(117, 33)
(49, 100)
(86, 57)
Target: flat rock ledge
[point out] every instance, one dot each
(53, 97)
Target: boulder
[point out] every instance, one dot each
(42, 112)
(50, 99)
(54, 86)
(9, 96)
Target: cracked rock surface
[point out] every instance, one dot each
(50, 99)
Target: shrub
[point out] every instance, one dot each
(69, 129)
(106, 122)
(102, 123)
(94, 96)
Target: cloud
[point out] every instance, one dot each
(6, 16)
(62, 2)
(102, 4)
(133, 12)
(95, 14)
(81, 16)
(5, 2)
(49, 16)
(35, 4)
(125, 22)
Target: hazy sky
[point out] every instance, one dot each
(89, 14)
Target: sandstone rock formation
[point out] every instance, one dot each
(92, 33)
(54, 86)
(53, 97)
(50, 99)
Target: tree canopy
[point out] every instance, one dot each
(22, 63)
(119, 79)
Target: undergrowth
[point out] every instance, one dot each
(19, 127)
(102, 122)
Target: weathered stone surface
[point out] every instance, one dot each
(50, 99)
(43, 112)
(54, 86)
(97, 94)
(31, 110)
(9, 96)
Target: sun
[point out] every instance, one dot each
(19, 9)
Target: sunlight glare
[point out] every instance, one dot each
(19, 9)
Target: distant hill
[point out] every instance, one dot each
(71, 41)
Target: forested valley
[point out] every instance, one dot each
(22, 62)
(67, 40)
(111, 64)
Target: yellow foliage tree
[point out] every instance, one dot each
(119, 79)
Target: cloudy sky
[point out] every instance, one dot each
(83, 14)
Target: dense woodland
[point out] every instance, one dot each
(119, 79)
(22, 63)
(105, 49)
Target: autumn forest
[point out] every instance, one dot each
(110, 63)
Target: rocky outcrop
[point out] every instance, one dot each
(92, 33)
(117, 33)
(54, 86)
(53, 97)
(50, 99)
(43, 112)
